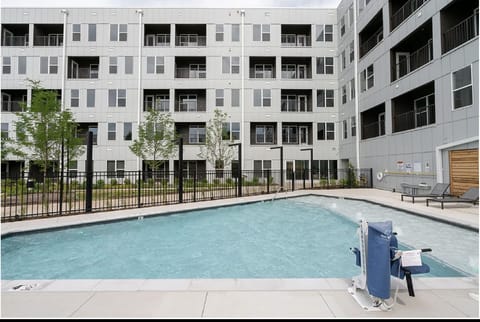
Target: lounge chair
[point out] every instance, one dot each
(469, 196)
(438, 190)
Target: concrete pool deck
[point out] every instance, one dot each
(321, 298)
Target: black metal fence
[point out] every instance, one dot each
(25, 197)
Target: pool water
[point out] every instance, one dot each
(304, 237)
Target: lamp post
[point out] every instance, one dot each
(281, 164)
(311, 164)
(239, 167)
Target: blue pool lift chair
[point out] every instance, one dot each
(379, 259)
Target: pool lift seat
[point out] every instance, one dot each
(379, 258)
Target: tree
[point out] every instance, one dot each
(156, 139)
(42, 129)
(216, 149)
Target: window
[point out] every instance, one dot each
(324, 32)
(350, 15)
(231, 131)
(5, 130)
(74, 98)
(366, 78)
(22, 65)
(424, 110)
(128, 64)
(352, 88)
(344, 94)
(290, 134)
(344, 60)
(462, 87)
(48, 65)
(328, 32)
(235, 32)
(112, 131)
(90, 98)
(113, 65)
(187, 103)
(352, 51)
(264, 134)
(354, 125)
(325, 98)
(219, 32)
(235, 65)
(92, 32)
(219, 97)
(7, 65)
(127, 131)
(53, 66)
(115, 168)
(324, 65)
(155, 65)
(263, 71)
(118, 32)
(261, 32)
(320, 33)
(289, 103)
(342, 26)
(235, 97)
(76, 32)
(117, 97)
(261, 168)
(345, 129)
(262, 100)
(225, 64)
(326, 131)
(196, 134)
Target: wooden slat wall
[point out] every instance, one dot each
(463, 170)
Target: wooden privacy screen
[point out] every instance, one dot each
(463, 170)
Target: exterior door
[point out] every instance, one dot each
(381, 124)
(402, 61)
(150, 40)
(302, 71)
(463, 170)
(301, 40)
(74, 68)
(303, 134)
(290, 164)
(302, 103)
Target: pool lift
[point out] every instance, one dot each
(379, 258)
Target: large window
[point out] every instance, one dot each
(117, 97)
(326, 131)
(264, 134)
(290, 134)
(196, 134)
(235, 32)
(231, 131)
(261, 32)
(424, 110)
(115, 168)
(324, 32)
(325, 98)
(324, 65)
(367, 78)
(263, 71)
(462, 87)
(187, 103)
(262, 97)
(155, 65)
(261, 168)
(118, 32)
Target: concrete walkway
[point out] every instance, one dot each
(232, 298)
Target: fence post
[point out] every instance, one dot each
(180, 170)
(89, 174)
(268, 180)
(293, 180)
(303, 174)
(195, 186)
(139, 188)
(371, 178)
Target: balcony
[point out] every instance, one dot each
(263, 133)
(50, 35)
(460, 33)
(157, 35)
(84, 128)
(190, 100)
(296, 35)
(13, 100)
(400, 12)
(373, 122)
(413, 52)
(297, 133)
(190, 35)
(190, 67)
(414, 109)
(157, 99)
(296, 100)
(192, 133)
(371, 35)
(296, 67)
(83, 67)
(262, 67)
(15, 35)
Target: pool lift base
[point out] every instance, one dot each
(366, 301)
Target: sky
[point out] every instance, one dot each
(172, 3)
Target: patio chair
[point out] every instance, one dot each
(469, 196)
(438, 190)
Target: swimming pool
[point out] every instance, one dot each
(302, 237)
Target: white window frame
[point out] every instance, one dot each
(111, 131)
(76, 33)
(265, 130)
(344, 94)
(353, 124)
(262, 69)
(292, 134)
(289, 71)
(345, 129)
(52, 65)
(190, 101)
(352, 89)
(460, 88)
(429, 100)
(265, 33)
(235, 64)
(219, 97)
(195, 134)
(219, 32)
(113, 65)
(7, 65)
(121, 33)
(75, 98)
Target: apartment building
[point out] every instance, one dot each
(359, 84)
(409, 94)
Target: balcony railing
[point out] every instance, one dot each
(372, 130)
(188, 73)
(161, 106)
(405, 11)
(293, 40)
(84, 73)
(413, 61)
(12, 106)
(158, 40)
(190, 41)
(371, 42)
(50, 40)
(189, 107)
(21, 41)
(461, 33)
(411, 119)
